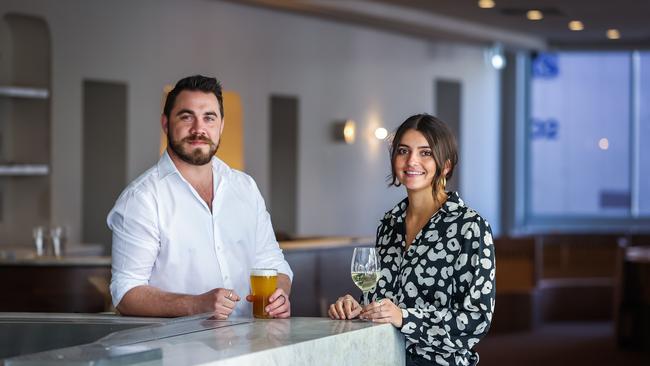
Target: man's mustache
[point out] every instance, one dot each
(202, 138)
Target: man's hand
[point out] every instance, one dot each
(346, 307)
(279, 305)
(220, 301)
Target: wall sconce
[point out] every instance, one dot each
(381, 133)
(495, 56)
(345, 131)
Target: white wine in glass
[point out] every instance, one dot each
(365, 268)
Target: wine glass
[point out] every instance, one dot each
(365, 269)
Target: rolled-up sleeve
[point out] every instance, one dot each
(268, 253)
(136, 242)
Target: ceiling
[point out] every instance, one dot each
(630, 17)
(464, 21)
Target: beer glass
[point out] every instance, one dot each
(365, 269)
(263, 282)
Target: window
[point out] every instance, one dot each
(643, 139)
(588, 139)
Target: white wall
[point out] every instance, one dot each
(337, 70)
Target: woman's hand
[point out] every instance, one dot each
(346, 307)
(383, 311)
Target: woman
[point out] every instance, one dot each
(437, 255)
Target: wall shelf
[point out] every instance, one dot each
(24, 92)
(24, 169)
(25, 127)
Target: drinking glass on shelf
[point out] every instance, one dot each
(365, 269)
(57, 236)
(39, 239)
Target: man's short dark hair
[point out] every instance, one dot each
(194, 83)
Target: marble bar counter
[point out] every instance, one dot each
(201, 340)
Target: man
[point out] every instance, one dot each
(188, 230)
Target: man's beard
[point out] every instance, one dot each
(196, 156)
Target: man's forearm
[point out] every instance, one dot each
(284, 283)
(150, 301)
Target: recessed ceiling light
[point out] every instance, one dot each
(613, 34)
(576, 25)
(485, 4)
(534, 15)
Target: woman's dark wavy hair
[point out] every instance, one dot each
(441, 141)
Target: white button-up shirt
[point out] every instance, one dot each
(164, 234)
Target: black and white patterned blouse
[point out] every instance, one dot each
(444, 283)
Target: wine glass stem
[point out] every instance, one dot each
(365, 299)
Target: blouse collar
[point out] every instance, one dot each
(452, 206)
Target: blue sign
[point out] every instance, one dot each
(544, 129)
(545, 66)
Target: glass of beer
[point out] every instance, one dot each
(263, 282)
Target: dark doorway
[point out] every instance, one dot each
(284, 164)
(448, 108)
(104, 155)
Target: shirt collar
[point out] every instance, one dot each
(452, 206)
(166, 165)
